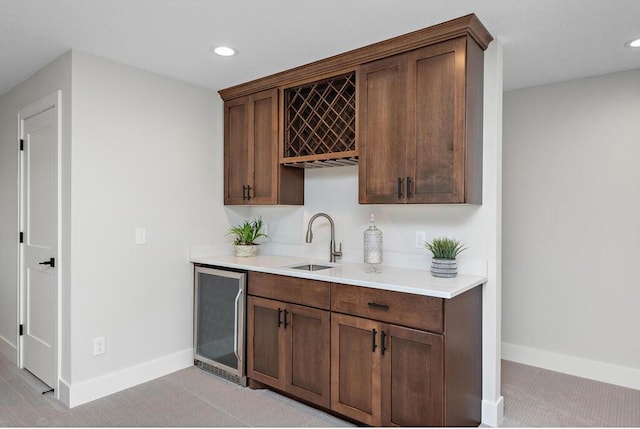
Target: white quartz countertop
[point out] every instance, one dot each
(416, 281)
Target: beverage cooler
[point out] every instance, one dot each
(219, 328)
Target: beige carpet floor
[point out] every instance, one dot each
(190, 397)
(533, 397)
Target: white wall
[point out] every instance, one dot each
(146, 153)
(335, 191)
(55, 76)
(572, 227)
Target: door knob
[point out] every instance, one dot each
(51, 262)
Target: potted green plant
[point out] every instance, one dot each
(246, 235)
(444, 250)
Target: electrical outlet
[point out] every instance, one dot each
(421, 237)
(99, 346)
(141, 236)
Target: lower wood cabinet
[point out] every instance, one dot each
(288, 348)
(378, 357)
(386, 375)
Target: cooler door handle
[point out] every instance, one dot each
(235, 327)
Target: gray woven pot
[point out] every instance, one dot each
(444, 268)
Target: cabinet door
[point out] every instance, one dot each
(236, 150)
(263, 152)
(307, 354)
(355, 368)
(412, 377)
(265, 342)
(436, 132)
(381, 133)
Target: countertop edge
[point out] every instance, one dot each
(449, 288)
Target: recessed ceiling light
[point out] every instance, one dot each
(633, 43)
(225, 51)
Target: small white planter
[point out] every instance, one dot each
(444, 268)
(246, 250)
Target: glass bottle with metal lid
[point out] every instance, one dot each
(373, 246)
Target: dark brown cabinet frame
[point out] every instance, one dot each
(410, 360)
(448, 179)
(252, 174)
(420, 126)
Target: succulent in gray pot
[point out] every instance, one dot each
(246, 235)
(444, 250)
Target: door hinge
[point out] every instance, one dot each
(21, 237)
(21, 329)
(21, 144)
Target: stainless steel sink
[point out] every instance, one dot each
(311, 267)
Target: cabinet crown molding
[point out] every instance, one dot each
(468, 25)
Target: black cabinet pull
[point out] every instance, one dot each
(244, 192)
(51, 262)
(408, 187)
(279, 314)
(376, 305)
(373, 340)
(285, 319)
(400, 187)
(249, 192)
(383, 338)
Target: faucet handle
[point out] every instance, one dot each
(339, 252)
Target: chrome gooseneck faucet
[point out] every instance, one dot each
(332, 246)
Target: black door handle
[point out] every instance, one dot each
(249, 192)
(244, 192)
(51, 261)
(376, 305)
(285, 319)
(400, 180)
(408, 186)
(383, 338)
(279, 321)
(373, 340)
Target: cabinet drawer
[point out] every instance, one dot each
(416, 311)
(312, 293)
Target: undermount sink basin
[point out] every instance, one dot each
(311, 267)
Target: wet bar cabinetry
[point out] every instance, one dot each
(379, 357)
(288, 335)
(252, 174)
(411, 119)
(420, 125)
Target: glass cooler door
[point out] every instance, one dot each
(219, 319)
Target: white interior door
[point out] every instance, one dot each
(40, 245)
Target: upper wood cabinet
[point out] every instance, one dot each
(416, 115)
(252, 174)
(420, 125)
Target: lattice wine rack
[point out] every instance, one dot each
(320, 123)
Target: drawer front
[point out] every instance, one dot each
(406, 309)
(312, 293)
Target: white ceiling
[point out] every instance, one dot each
(544, 40)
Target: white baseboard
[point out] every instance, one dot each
(9, 350)
(64, 392)
(572, 365)
(493, 412)
(87, 391)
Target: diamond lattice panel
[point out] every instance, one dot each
(320, 117)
